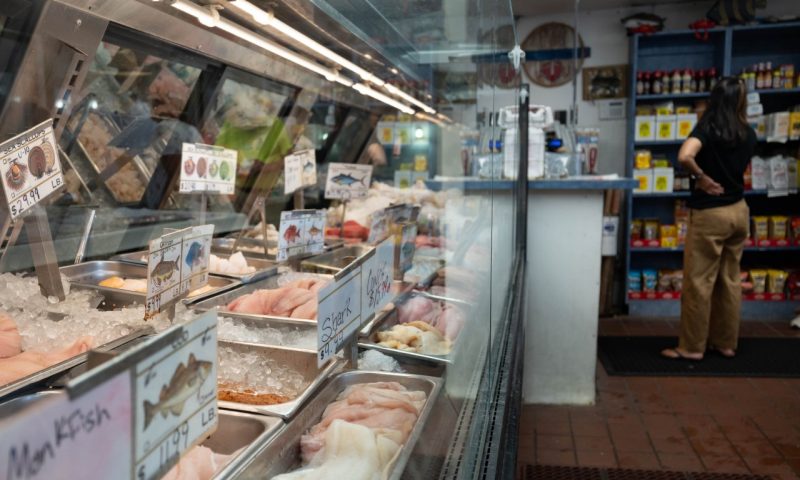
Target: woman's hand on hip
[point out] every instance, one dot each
(708, 185)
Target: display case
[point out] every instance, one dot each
(282, 150)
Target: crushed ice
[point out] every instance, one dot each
(375, 360)
(254, 370)
(242, 331)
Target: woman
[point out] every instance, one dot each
(716, 154)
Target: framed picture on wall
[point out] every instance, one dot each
(610, 81)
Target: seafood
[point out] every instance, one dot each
(415, 337)
(132, 284)
(37, 162)
(185, 382)
(346, 179)
(297, 299)
(49, 155)
(199, 463)
(164, 270)
(202, 167)
(236, 264)
(291, 234)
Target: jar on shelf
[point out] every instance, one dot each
(677, 78)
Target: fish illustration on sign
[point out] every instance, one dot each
(195, 255)
(291, 234)
(346, 179)
(408, 249)
(185, 382)
(314, 231)
(164, 270)
(308, 167)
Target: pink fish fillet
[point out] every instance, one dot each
(415, 308)
(26, 363)
(307, 310)
(10, 340)
(199, 463)
(259, 302)
(452, 321)
(291, 299)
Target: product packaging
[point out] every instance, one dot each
(664, 281)
(776, 281)
(645, 128)
(760, 228)
(760, 173)
(650, 230)
(634, 281)
(778, 127)
(649, 280)
(663, 180)
(666, 127)
(645, 178)
(686, 123)
(794, 227)
(759, 279)
(677, 280)
(669, 236)
(644, 159)
(759, 124)
(747, 282)
(777, 227)
(778, 176)
(636, 229)
(683, 228)
(794, 125)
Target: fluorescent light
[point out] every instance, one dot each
(397, 92)
(206, 17)
(365, 90)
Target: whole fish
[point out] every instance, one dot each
(346, 179)
(314, 231)
(185, 382)
(195, 255)
(291, 234)
(164, 270)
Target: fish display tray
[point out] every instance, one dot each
(249, 247)
(401, 292)
(282, 453)
(337, 262)
(90, 274)
(304, 361)
(219, 303)
(237, 432)
(60, 368)
(390, 319)
(264, 268)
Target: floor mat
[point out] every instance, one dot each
(756, 357)
(546, 472)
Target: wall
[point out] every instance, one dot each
(602, 31)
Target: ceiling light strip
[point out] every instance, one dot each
(365, 90)
(399, 93)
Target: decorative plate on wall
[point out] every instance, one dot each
(499, 74)
(547, 37)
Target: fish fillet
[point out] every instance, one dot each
(29, 362)
(199, 463)
(10, 339)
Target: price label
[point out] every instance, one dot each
(347, 180)
(300, 170)
(207, 169)
(377, 276)
(381, 222)
(339, 315)
(301, 232)
(30, 168)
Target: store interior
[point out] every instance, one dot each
(385, 240)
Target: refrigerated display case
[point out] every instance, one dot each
(371, 83)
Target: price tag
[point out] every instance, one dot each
(377, 276)
(207, 169)
(30, 168)
(301, 232)
(176, 264)
(347, 180)
(300, 170)
(406, 247)
(339, 315)
(381, 222)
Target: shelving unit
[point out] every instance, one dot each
(729, 50)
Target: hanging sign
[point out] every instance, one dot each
(338, 315)
(99, 427)
(347, 180)
(207, 169)
(300, 170)
(377, 276)
(177, 263)
(406, 246)
(30, 168)
(382, 221)
(301, 232)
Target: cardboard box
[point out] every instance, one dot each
(665, 127)
(686, 124)
(645, 128)
(645, 177)
(663, 180)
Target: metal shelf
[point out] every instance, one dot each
(671, 96)
(789, 248)
(684, 194)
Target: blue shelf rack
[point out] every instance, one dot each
(729, 50)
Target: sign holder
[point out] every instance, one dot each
(259, 209)
(299, 173)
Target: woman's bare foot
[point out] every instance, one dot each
(676, 353)
(725, 352)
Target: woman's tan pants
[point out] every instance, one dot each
(712, 294)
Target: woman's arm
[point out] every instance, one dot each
(686, 157)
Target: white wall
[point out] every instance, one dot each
(602, 31)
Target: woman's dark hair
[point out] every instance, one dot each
(725, 116)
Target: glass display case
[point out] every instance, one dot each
(379, 100)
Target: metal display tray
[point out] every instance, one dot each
(282, 453)
(390, 319)
(264, 268)
(337, 262)
(90, 274)
(304, 361)
(237, 433)
(60, 368)
(219, 303)
(249, 247)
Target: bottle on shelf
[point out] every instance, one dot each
(648, 83)
(686, 81)
(639, 83)
(760, 76)
(656, 87)
(701, 81)
(776, 78)
(712, 78)
(768, 75)
(676, 81)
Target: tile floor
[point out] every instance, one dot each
(704, 424)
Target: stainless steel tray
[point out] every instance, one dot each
(60, 368)
(219, 303)
(249, 247)
(389, 320)
(237, 432)
(337, 262)
(304, 361)
(90, 274)
(282, 453)
(264, 268)
(402, 291)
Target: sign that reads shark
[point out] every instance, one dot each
(347, 180)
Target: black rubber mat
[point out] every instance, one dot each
(546, 472)
(755, 357)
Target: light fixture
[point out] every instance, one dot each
(397, 92)
(212, 19)
(394, 70)
(418, 133)
(365, 90)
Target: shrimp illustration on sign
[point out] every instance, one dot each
(291, 234)
(185, 382)
(195, 255)
(345, 179)
(164, 270)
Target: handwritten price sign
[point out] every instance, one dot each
(30, 168)
(377, 276)
(339, 315)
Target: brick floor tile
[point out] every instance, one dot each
(686, 463)
(593, 443)
(632, 443)
(672, 445)
(639, 460)
(553, 427)
(597, 459)
(661, 425)
(554, 442)
(590, 429)
(724, 464)
(713, 446)
(556, 457)
(756, 448)
(767, 464)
